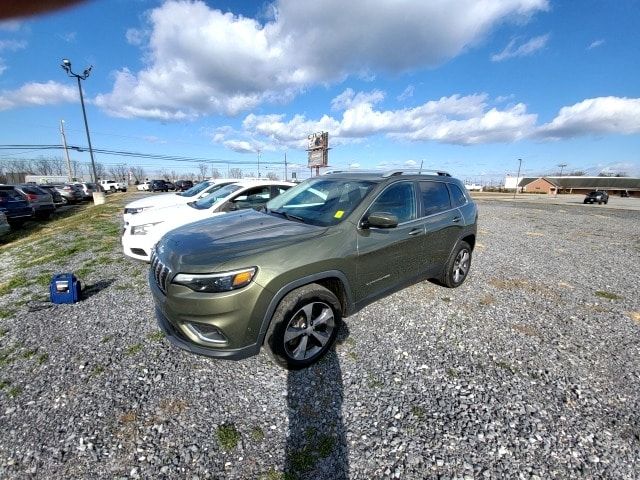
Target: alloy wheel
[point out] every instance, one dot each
(461, 265)
(309, 331)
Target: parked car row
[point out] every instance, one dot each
(164, 185)
(25, 201)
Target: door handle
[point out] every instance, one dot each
(456, 219)
(415, 232)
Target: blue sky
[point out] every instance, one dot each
(466, 86)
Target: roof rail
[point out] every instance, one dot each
(416, 171)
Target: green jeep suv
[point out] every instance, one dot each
(286, 276)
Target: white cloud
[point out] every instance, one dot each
(38, 94)
(135, 36)
(241, 146)
(595, 44)
(12, 45)
(407, 93)
(10, 25)
(203, 61)
(595, 116)
(68, 37)
(513, 50)
(349, 99)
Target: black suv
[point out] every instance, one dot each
(597, 196)
(183, 185)
(285, 276)
(14, 205)
(158, 186)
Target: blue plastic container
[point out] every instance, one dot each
(64, 288)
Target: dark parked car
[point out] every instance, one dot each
(57, 198)
(183, 185)
(170, 185)
(597, 196)
(40, 200)
(158, 186)
(14, 205)
(285, 276)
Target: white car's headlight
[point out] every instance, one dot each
(136, 210)
(216, 282)
(143, 229)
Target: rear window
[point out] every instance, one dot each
(457, 197)
(11, 194)
(435, 197)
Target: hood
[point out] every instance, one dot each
(175, 215)
(162, 200)
(204, 245)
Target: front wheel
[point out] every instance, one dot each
(457, 267)
(303, 327)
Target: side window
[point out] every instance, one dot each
(278, 190)
(253, 198)
(457, 197)
(399, 200)
(435, 197)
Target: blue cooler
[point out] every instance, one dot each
(65, 288)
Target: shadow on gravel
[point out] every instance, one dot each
(317, 444)
(90, 290)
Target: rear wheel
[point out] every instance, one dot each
(112, 189)
(303, 327)
(457, 267)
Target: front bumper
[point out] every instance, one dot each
(236, 314)
(138, 246)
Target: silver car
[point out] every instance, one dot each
(87, 189)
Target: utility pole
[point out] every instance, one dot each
(562, 165)
(285, 166)
(66, 150)
(258, 163)
(517, 178)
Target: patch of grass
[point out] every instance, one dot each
(156, 336)
(14, 391)
(506, 366)
(374, 382)
(446, 299)
(325, 445)
(106, 338)
(353, 356)
(5, 313)
(257, 434)
(302, 460)
(133, 349)
(84, 271)
(228, 437)
(273, 474)
(97, 370)
(5, 356)
(10, 285)
(4, 384)
(43, 279)
(417, 412)
(128, 417)
(28, 354)
(3, 331)
(452, 373)
(43, 358)
(608, 295)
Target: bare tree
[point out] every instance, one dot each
(215, 173)
(119, 172)
(58, 166)
(174, 175)
(203, 168)
(576, 173)
(272, 176)
(235, 173)
(101, 172)
(43, 166)
(138, 173)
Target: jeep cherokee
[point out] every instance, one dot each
(286, 276)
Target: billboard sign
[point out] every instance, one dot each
(318, 148)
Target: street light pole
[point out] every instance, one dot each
(517, 178)
(66, 66)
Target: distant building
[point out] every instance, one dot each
(581, 185)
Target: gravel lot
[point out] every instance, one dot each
(529, 370)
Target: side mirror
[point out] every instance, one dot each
(380, 220)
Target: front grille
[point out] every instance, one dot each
(161, 273)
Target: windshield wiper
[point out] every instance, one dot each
(286, 215)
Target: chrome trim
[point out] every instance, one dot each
(161, 273)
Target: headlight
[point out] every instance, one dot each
(216, 282)
(143, 229)
(136, 210)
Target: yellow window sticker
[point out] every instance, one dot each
(339, 214)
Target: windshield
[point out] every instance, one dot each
(193, 191)
(209, 200)
(321, 201)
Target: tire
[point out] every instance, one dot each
(65, 201)
(457, 268)
(306, 344)
(112, 189)
(585, 202)
(606, 201)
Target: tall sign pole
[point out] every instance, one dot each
(66, 150)
(517, 178)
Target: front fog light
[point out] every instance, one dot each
(216, 282)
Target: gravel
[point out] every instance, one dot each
(529, 370)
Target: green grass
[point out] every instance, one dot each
(374, 382)
(302, 460)
(14, 391)
(228, 437)
(608, 295)
(97, 370)
(106, 338)
(157, 336)
(133, 349)
(5, 313)
(4, 384)
(3, 331)
(15, 282)
(325, 445)
(417, 412)
(257, 434)
(43, 358)
(28, 354)
(43, 279)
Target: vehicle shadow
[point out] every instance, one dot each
(90, 290)
(317, 445)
